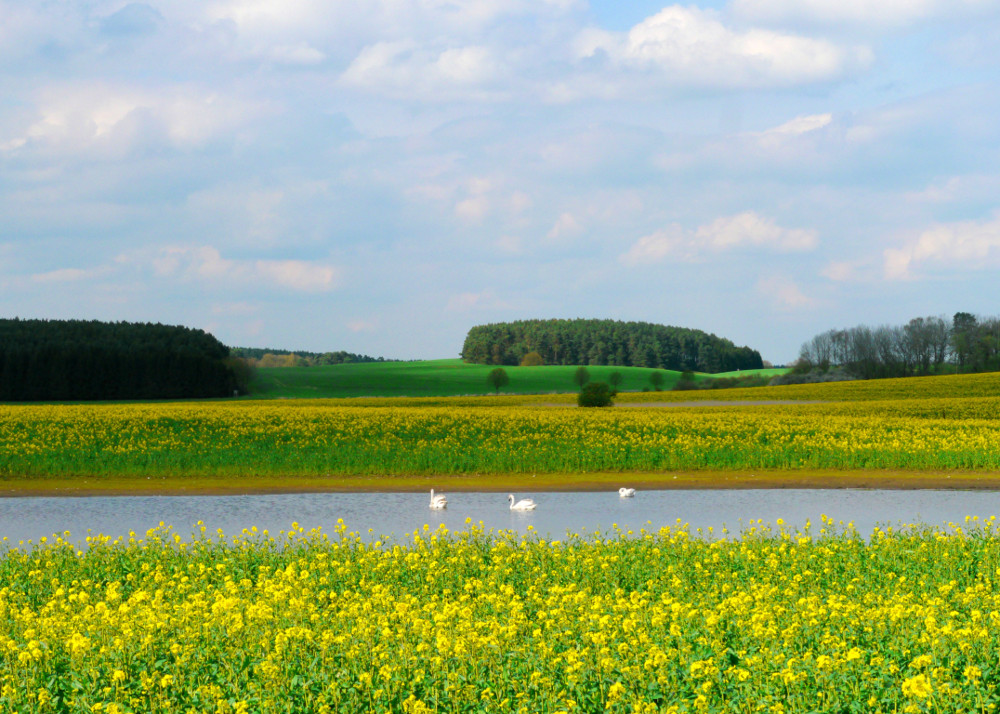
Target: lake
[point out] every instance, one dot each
(396, 514)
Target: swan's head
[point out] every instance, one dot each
(510, 497)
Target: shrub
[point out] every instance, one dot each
(532, 359)
(595, 394)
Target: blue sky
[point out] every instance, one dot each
(378, 177)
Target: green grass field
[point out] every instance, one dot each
(439, 378)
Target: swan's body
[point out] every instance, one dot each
(626, 492)
(439, 501)
(525, 504)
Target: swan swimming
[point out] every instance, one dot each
(626, 492)
(439, 501)
(525, 504)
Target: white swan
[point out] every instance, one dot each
(439, 501)
(525, 504)
(626, 492)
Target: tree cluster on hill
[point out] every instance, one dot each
(606, 342)
(67, 360)
(284, 358)
(924, 345)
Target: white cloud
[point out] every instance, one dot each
(693, 47)
(75, 117)
(206, 264)
(969, 187)
(747, 229)
(361, 326)
(784, 294)
(509, 244)
(802, 125)
(300, 53)
(841, 271)
(468, 302)
(652, 248)
(565, 225)
(68, 275)
(408, 70)
(269, 18)
(298, 274)
(473, 209)
(967, 245)
(879, 12)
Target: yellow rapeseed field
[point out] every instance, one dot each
(310, 438)
(778, 621)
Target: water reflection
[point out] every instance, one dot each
(395, 514)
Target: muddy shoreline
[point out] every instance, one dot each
(706, 480)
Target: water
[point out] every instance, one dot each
(396, 514)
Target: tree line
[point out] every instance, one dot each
(606, 342)
(68, 360)
(267, 357)
(924, 345)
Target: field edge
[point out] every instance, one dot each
(597, 481)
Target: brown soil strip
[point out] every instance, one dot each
(189, 485)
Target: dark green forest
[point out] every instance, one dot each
(606, 342)
(68, 360)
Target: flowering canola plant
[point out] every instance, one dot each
(314, 438)
(767, 620)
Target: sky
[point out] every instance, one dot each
(380, 176)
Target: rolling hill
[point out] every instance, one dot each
(433, 378)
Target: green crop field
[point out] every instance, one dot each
(439, 378)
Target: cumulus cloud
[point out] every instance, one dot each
(801, 125)
(967, 245)
(689, 46)
(784, 294)
(470, 301)
(206, 264)
(747, 229)
(361, 326)
(77, 117)
(882, 12)
(841, 271)
(565, 225)
(68, 275)
(406, 69)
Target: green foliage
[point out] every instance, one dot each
(243, 373)
(69, 360)
(581, 376)
(657, 379)
(615, 379)
(606, 342)
(498, 378)
(686, 382)
(594, 394)
(267, 357)
(532, 359)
